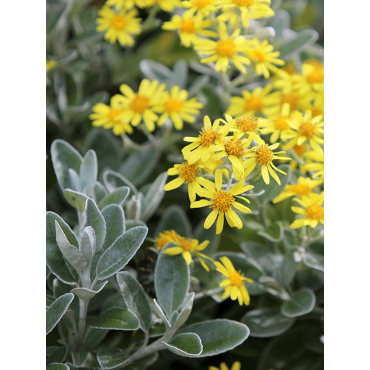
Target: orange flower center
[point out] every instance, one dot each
(247, 124)
(236, 278)
(307, 129)
(185, 244)
(315, 77)
(187, 26)
(245, 3)
(139, 104)
(264, 155)
(222, 201)
(189, 171)
(202, 3)
(299, 149)
(316, 112)
(235, 148)
(292, 100)
(225, 48)
(258, 56)
(208, 137)
(114, 113)
(289, 69)
(301, 189)
(253, 103)
(118, 22)
(315, 212)
(164, 238)
(173, 105)
(281, 123)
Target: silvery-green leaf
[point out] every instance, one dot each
(160, 313)
(58, 265)
(70, 252)
(88, 172)
(218, 336)
(155, 70)
(99, 192)
(157, 330)
(57, 355)
(49, 300)
(75, 199)
(185, 310)
(171, 281)
(64, 157)
(48, 272)
(180, 71)
(57, 366)
(203, 234)
(57, 310)
(75, 180)
(274, 233)
(302, 302)
(197, 85)
(88, 243)
(94, 338)
(174, 317)
(118, 196)
(187, 345)
(305, 37)
(87, 294)
(135, 298)
(285, 273)
(94, 218)
(174, 218)
(266, 322)
(120, 253)
(116, 319)
(114, 180)
(110, 358)
(153, 197)
(130, 224)
(144, 362)
(79, 358)
(314, 257)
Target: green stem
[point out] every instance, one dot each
(82, 319)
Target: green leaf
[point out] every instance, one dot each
(88, 172)
(171, 281)
(114, 180)
(296, 45)
(56, 366)
(116, 319)
(57, 355)
(174, 218)
(88, 243)
(203, 234)
(266, 322)
(302, 302)
(155, 70)
(87, 294)
(118, 196)
(64, 157)
(161, 314)
(130, 224)
(110, 358)
(153, 197)
(185, 311)
(198, 85)
(70, 252)
(57, 310)
(99, 192)
(94, 218)
(187, 345)
(274, 233)
(135, 298)
(94, 338)
(54, 257)
(218, 336)
(75, 180)
(120, 253)
(285, 273)
(75, 199)
(79, 358)
(314, 257)
(180, 74)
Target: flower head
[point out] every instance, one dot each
(50, 64)
(312, 211)
(118, 26)
(165, 237)
(311, 79)
(128, 4)
(317, 165)
(223, 366)
(204, 7)
(234, 282)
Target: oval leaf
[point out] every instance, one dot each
(87, 294)
(88, 172)
(118, 196)
(112, 357)
(174, 218)
(116, 319)
(301, 303)
(57, 366)
(88, 243)
(94, 218)
(56, 311)
(187, 345)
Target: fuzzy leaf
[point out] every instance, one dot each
(174, 218)
(296, 45)
(94, 218)
(116, 319)
(118, 196)
(75, 199)
(187, 345)
(114, 180)
(79, 358)
(87, 294)
(57, 366)
(88, 243)
(301, 303)
(57, 310)
(88, 172)
(110, 358)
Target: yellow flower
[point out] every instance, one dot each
(251, 102)
(249, 126)
(305, 129)
(176, 106)
(227, 49)
(204, 7)
(303, 189)
(263, 55)
(200, 146)
(263, 156)
(317, 167)
(278, 124)
(121, 25)
(250, 9)
(166, 5)
(223, 366)
(221, 202)
(111, 116)
(311, 79)
(50, 64)
(187, 174)
(142, 105)
(128, 4)
(165, 237)
(312, 211)
(190, 27)
(234, 284)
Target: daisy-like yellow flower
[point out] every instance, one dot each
(186, 247)
(50, 64)
(128, 4)
(303, 189)
(250, 127)
(200, 146)
(118, 26)
(141, 106)
(176, 107)
(311, 78)
(305, 128)
(223, 366)
(250, 9)
(166, 5)
(312, 211)
(224, 51)
(190, 27)
(263, 156)
(187, 173)
(278, 124)
(264, 57)
(221, 202)
(111, 116)
(317, 165)
(204, 7)
(165, 237)
(299, 150)
(251, 102)
(234, 283)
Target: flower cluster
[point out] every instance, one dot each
(151, 104)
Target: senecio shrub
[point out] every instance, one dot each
(190, 233)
